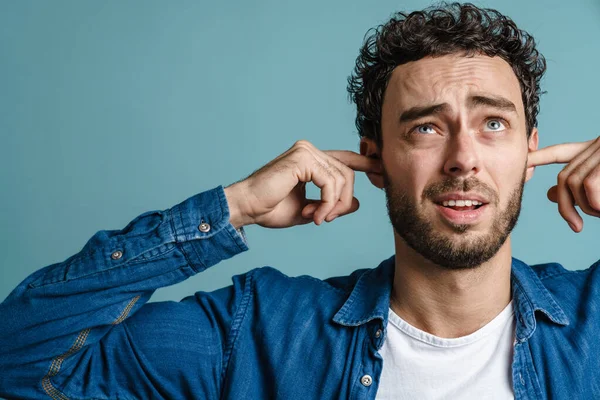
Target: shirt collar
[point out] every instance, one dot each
(370, 298)
(530, 295)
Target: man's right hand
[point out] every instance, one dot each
(275, 195)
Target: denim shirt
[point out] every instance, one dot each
(82, 328)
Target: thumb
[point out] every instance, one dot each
(311, 207)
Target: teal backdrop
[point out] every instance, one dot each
(112, 108)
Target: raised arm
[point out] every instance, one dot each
(81, 328)
(70, 330)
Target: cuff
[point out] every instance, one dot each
(202, 229)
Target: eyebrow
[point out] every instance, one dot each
(497, 102)
(422, 111)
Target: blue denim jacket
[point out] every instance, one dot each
(81, 329)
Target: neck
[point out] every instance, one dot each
(449, 303)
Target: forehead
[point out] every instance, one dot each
(452, 78)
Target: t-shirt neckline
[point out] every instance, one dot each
(416, 333)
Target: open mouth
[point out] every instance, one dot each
(462, 205)
(460, 209)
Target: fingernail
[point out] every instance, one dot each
(573, 226)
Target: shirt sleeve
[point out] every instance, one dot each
(82, 329)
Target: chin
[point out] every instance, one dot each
(471, 229)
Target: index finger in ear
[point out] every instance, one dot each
(356, 161)
(556, 154)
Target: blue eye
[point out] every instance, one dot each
(425, 129)
(494, 125)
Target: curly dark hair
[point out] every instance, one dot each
(437, 31)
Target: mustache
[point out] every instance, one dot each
(470, 184)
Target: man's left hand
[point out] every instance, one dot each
(578, 182)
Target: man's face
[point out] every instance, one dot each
(454, 154)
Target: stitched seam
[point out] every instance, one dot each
(323, 283)
(222, 202)
(224, 207)
(142, 258)
(172, 224)
(181, 225)
(198, 258)
(47, 385)
(532, 376)
(357, 386)
(181, 247)
(126, 311)
(133, 261)
(543, 278)
(352, 296)
(57, 363)
(523, 294)
(592, 268)
(555, 307)
(312, 278)
(235, 325)
(235, 238)
(185, 255)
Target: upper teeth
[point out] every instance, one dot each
(462, 203)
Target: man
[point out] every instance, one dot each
(447, 101)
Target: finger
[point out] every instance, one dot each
(580, 199)
(344, 185)
(552, 195)
(309, 209)
(591, 185)
(304, 220)
(333, 162)
(566, 204)
(584, 165)
(558, 153)
(326, 209)
(356, 161)
(325, 181)
(354, 205)
(345, 202)
(316, 169)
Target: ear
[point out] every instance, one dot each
(369, 148)
(533, 143)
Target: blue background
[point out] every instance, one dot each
(109, 109)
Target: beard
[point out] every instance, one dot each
(441, 248)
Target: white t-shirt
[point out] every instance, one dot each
(418, 365)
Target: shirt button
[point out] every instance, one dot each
(366, 380)
(116, 255)
(378, 333)
(204, 227)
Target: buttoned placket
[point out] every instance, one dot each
(373, 363)
(525, 382)
(526, 385)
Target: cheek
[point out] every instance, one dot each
(505, 168)
(412, 170)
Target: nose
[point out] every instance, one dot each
(462, 159)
